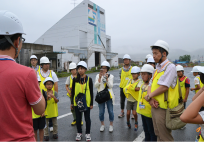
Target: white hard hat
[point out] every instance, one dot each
(135, 69)
(44, 60)
(126, 56)
(179, 68)
(200, 69)
(148, 55)
(162, 44)
(33, 57)
(72, 66)
(48, 79)
(105, 63)
(150, 60)
(10, 24)
(147, 68)
(195, 69)
(82, 63)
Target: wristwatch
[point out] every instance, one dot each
(148, 98)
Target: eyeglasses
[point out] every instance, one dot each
(23, 40)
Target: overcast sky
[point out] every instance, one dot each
(133, 25)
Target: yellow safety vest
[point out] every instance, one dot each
(80, 88)
(52, 108)
(201, 84)
(173, 93)
(70, 86)
(201, 139)
(42, 87)
(125, 77)
(130, 89)
(147, 110)
(183, 88)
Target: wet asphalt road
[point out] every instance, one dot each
(121, 132)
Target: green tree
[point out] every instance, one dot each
(185, 58)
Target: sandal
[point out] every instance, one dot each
(129, 125)
(136, 124)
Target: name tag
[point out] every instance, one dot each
(127, 78)
(141, 106)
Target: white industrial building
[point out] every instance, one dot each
(82, 35)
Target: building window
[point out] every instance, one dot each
(90, 6)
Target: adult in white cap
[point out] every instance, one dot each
(197, 82)
(125, 76)
(147, 56)
(18, 86)
(151, 61)
(143, 107)
(82, 84)
(44, 73)
(103, 80)
(184, 83)
(164, 77)
(34, 63)
(192, 114)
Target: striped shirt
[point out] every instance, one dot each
(169, 78)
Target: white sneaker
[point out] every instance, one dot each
(78, 137)
(102, 128)
(111, 128)
(88, 137)
(51, 129)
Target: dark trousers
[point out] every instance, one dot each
(122, 99)
(148, 129)
(50, 122)
(86, 117)
(184, 105)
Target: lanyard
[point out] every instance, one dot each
(132, 84)
(82, 86)
(143, 90)
(5, 59)
(159, 71)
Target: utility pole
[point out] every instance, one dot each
(74, 2)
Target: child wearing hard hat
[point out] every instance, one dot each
(46, 72)
(143, 107)
(52, 108)
(151, 61)
(68, 86)
(184, 83)
(131, 91)
(197, 82)
(125, 76)
(34, 61)
(82, 99)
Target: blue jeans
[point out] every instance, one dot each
(148, 129)
(109, 104)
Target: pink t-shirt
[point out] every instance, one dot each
(18, 91)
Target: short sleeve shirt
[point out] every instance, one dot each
(196, 80)
(19, 91)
